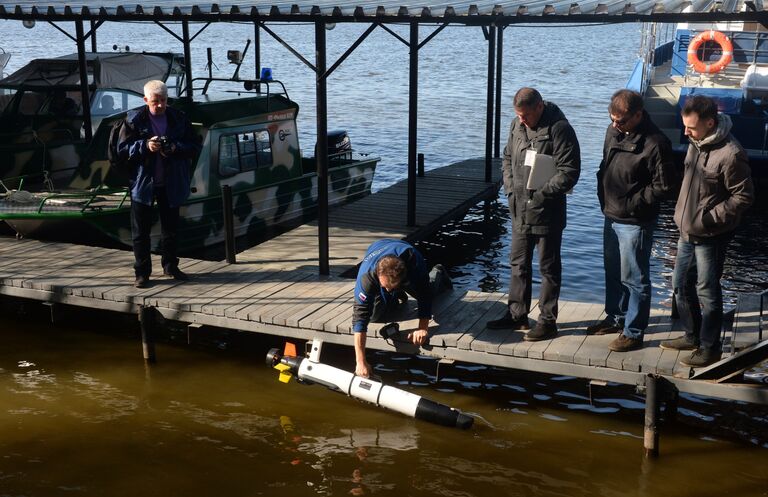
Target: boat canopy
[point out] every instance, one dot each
(118, 70)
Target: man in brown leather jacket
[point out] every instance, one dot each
(717, 188)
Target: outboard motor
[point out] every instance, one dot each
(338, 143)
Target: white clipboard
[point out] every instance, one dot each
(542, 169)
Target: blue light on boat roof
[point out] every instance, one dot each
(266, 74)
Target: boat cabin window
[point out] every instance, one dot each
(108, 102)
(242, 152)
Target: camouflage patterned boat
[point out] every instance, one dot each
(249, 142)
(41, 105)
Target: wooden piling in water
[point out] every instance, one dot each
(650, 431)
(146, 321)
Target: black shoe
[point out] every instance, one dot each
(542, 331)
(604, 327)
(623, 343)
(141, 282)
(509, 323)
(176, 274)
(442, 278)
(684, 342)
(703, 356)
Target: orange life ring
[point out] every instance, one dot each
(725, 45)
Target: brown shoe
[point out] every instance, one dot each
(623, 343)
(604, 327)
(703, 356)
(542, 331)
(141, 282)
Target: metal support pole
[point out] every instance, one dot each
(413, 90)
(187, 57)
(497, 120)
(421, 165)
(146, 320)
(489, 103)
(322, 148)
(93, 36)
(651, 432)
(257, 52)
(229, 223)
(85, 95)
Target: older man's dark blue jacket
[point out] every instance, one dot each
(136, 131)
(368, 287)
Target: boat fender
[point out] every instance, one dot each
(725, 46)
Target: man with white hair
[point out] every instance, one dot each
(158, 144)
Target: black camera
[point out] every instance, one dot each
(389, 331)
(166, 145)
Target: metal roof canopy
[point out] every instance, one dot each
(388, 11)
(493, 17)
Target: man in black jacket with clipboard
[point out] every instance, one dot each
(539, 138)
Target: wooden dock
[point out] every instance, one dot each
(275, 289)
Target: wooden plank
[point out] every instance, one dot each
(454, 323)
(45, 259)
(144, 296)
(254, 305)
(299, 293)
(477, 320)
(203, 279)
(318, 319)
(490, 340)
(633, 360)
(572, 329)
(322, 296)
(233, 278)
(594, 349)
(252, 282)
(71, 271)
(660, 329)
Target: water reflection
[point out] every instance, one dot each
(82, 416)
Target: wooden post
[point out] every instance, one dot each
(146, 320)
(651, 432)
(229, 223)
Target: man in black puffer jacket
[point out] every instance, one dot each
(637, 172)
(540, 133)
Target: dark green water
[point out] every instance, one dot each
(81, 415)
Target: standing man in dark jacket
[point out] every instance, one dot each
(158, 143)
(538, 215)
(717, 188)
(637, 172)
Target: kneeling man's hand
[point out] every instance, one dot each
(419, 337)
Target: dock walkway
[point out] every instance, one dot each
(277, 290)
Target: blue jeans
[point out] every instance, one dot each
(696, 283)
(627, 262)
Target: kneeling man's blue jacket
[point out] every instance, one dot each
(368, 287)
